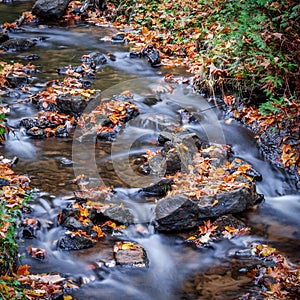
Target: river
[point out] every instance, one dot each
(176, 270)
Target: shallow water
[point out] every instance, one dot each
(176, 270)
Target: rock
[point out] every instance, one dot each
(74, 242)
(226, 220)
(3, 37)
(30, 122)
(237, 162)
(152, 55)
(36, 132)
(69, 104)
(176, 155)
(73, 224)
(130, 254)
(120, 214)
(15, 81)
(50, 9)
(118, 38)
(94, 59)
(179, 212)
(158, 189)
(3, 182)
(17, 44)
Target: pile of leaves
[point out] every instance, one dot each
(107, 119)
(52, 120)
(276, 275)
(209, 232)
(13, 70)
(206, 178)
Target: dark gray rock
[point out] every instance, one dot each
(15, 81)
(94, 60)
(226, 220)
(152, 55)
(180, 212)
(3, 182)
(119, 214)
(74, 242)
(177, 153)
(69, 104)
(3, 37)
(158, 189)
(36, 132)
(50, 9)
(17, 44)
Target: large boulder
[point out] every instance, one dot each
(180, 212)
(50, 9)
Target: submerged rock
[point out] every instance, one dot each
(17, 44)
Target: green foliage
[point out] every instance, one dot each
(253, 42)
(8, 245)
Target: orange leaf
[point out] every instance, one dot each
(23, 270)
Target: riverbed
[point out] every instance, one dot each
(176, 270)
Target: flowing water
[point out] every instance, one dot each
(176, 270)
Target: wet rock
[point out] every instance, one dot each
(119, 213)
(69, 104)
(37, 133)
(74, 242)
(3, 182)
(181, 212)
(62, 132)
(227, 220)
(29, 123)
(15, 81)
(50, 9)
(135, 54)
(176, 155)
(3, 37)
(73, 224)
(29, 228)
(129, 253)
(152, 55)
(218, 155)
(158, 189)
(67, 213)
(238, 162)
(31, 57)
(94, 59)
(118, 38)
(17, 44)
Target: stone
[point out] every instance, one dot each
(69, 104)
(130, 254)
(17, 44)
(119, 214)
(3, 37)
(50, 9)
(158, 189)
(180, 212)
(152, 55)
(74, 242)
